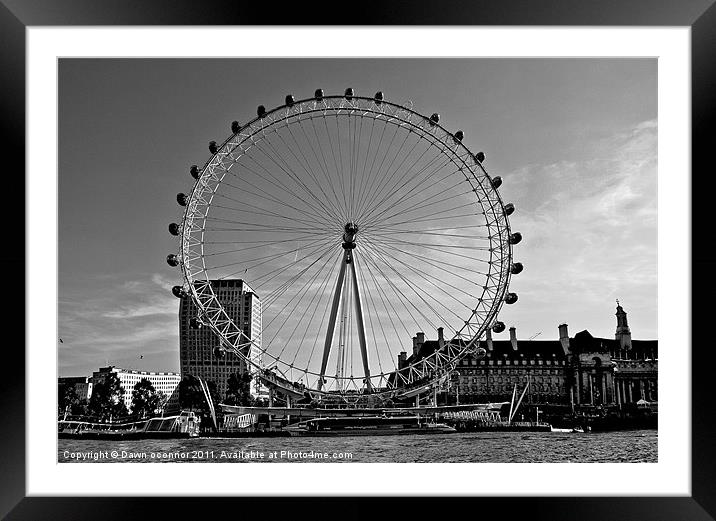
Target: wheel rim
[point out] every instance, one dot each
(288, 182)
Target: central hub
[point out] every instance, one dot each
(349, 235)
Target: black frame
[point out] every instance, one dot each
(700, 15)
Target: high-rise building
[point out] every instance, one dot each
(167, 383)
(199, 351)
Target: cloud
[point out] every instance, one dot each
(590, 227)
(119, 323)
(590, 236)
(134, 311)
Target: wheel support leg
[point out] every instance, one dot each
(332, 319)
(361, 326)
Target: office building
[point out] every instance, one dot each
(199, 351)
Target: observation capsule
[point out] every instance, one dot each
(480, 352)
(194, 171)
(434, 119)
(480, 157)
(511, 298)
(174, 229)
(290, 100)
(218, 352)
(178, 292)
(378, 98)
(516, 268)
(261, 111)
(515, 238)
(194, 323)
(182, 199)
(349, 94)
(496, 182)
(459, 135)
(172, 260)
(498, 327)
(235, 127)
(212, 147)
(509, 209)
(318, 94)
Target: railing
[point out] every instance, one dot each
(239, 421)
(483, 416)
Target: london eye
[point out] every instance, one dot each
(359, 224)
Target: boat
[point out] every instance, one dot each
(184, 425)
(569, 429)
(500, 426)
(367, 426)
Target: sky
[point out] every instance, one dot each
(575, 141)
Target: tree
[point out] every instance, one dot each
(146, 400)
(261, 402)
(79, 408)
(190, 394)
(106, 401)
(66, 397)
(238, 389)
(69, 402)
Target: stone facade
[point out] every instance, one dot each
(583, 370)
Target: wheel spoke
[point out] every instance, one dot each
(346, 183)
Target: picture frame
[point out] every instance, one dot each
(700, 16)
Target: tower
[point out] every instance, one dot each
(623, 334)
(199, 351)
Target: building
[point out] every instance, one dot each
(199, 351)
(582, 370)
(167, 383)
(82, 386)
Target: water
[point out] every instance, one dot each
(489, 447)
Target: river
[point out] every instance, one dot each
(487, 447)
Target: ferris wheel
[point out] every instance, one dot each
(362, 227)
